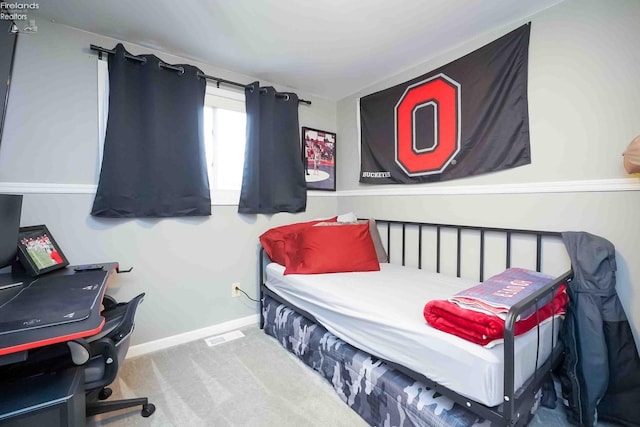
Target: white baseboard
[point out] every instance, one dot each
(220, 328)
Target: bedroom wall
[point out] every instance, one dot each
(49, 147)
(584, 103)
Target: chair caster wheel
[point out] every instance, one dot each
(105, 393)
(148, 410)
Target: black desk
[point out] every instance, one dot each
(15, 343)
(51, 399)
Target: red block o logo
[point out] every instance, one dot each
(443, 93)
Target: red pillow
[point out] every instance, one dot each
(331, 250)
(273, 239)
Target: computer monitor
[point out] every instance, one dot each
(8, 42)
(10, 210)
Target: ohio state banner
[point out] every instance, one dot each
(465, 118)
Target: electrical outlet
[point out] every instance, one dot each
(235, 289)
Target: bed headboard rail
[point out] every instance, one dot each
(393, 226)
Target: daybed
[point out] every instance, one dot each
(364, 331)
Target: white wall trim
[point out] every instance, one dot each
(595, 185)
(42, 188)
(220, 328)
(579, 186)
(316, 193)
(232, 197)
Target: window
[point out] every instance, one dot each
(224, 137)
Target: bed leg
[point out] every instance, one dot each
(261, 256)
(261, 308)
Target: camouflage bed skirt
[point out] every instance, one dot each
(382, 396)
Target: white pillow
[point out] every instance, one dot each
(348, 217)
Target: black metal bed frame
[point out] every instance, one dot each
(516, 404)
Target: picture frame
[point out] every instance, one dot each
(38, 251)
(319, 159)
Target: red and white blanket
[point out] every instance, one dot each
(477, 314)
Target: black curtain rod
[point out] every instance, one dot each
(218, 80)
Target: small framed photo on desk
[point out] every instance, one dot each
(38, 251)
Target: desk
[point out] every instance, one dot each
(25, 335)
(51, 399)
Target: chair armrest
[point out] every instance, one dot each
(108, 302)
(106, 350)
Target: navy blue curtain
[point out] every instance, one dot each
(273, 178)
(154, 161)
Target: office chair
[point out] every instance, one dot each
(102, 354)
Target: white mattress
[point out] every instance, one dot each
(381, 313)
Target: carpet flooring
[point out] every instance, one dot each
(250, 381)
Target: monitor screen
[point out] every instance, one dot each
(10, 210)
(7, 51)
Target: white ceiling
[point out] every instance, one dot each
(331, 48)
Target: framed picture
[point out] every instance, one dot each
(38, 251)
(319, 151)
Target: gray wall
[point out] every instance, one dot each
(186, 266)
(584, 99)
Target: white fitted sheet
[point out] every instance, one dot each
(380, 312)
